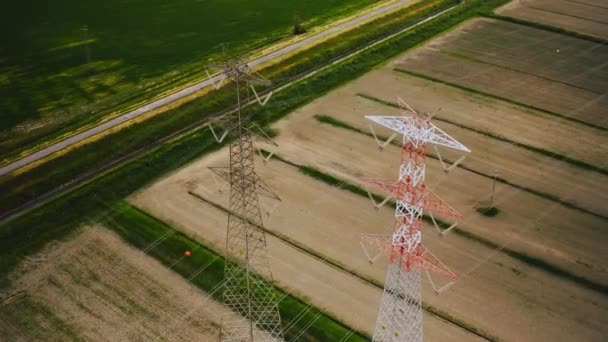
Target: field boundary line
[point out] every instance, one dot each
(460, 55)
(547, 153)
(341, 267)
(588, 4)
(568, 15)
(532, 261)
(329, 120)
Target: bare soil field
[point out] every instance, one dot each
(504, 292)
(323, 285)
(95, 287)
(547, 70)
(586, 16)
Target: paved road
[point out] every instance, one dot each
(192, 89)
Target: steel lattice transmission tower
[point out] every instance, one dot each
(400, 314)
(248, 290)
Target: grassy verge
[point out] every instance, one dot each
(341, 124)
(520, 256)
(355, 39)
(142, 231)
(340, 266)
(26, 234)
(547, 153)
(97, 113)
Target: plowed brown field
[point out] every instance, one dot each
(586, 16)
(97, 288)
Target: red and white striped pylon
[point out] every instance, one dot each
(400, 314)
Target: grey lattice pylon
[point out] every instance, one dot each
(400, 315)
(248, 290)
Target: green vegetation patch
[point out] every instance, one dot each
(66, 64)
(490, 211)
(205, 269)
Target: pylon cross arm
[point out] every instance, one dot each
(436, 205)
(417, 132)
(422, 196)
(425, 260)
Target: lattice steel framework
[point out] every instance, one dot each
(400, 314)
(248, 289)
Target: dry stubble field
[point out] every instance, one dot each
(95, 287)
(586, 16)
(297, 271)
(502, 296)
(505, 292)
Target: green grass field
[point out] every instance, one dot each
(56, 76)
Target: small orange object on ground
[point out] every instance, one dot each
(187, 253)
